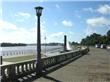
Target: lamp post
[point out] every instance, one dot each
(39, 62)
(45, 45)
(1, 56)
(0, 60)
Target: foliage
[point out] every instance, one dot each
(96, 39)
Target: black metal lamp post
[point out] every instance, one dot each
(45, 45)
(39, 62)
(0, 60)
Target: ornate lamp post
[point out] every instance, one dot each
(45, 45)
(39, 62)
(0, 60)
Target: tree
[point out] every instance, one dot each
(108, 36)
(74, 43)
(92, 39)
(108, 33)
(12, 44)
(104, 40)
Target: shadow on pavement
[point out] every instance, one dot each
(51, 78)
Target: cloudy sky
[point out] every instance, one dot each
(76, 19)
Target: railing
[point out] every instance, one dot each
(23, 51)
(11, 72)
(17, 52)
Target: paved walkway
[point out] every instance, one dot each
(94, 67)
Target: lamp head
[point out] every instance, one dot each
(39, 10)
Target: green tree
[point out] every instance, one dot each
(108, 36)
(104, 40)
(92, 39)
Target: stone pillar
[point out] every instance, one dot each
(0, 60)
(65, 41)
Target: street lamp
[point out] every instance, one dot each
(1, 61)
(39, 62)
(45, 45)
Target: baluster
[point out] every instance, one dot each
(33, 65)
(29, 66)
(18, 69)
(3, 74)
(22, 68)
(26, 68)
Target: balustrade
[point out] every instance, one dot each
(20, 69)
(18, 52)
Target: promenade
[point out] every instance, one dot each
(93, 67)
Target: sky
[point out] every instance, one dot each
(76, 19)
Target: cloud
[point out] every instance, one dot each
(88, 9)
(57, 6)
(67, 23)
(55, 37)
(0, 12)
(40, 0)
(11, 33)
(89, 31)
(58, 34)
(21, 16)
(6, 25)
(71, 33)
(104, 9)
(101, 21)
(55, 23)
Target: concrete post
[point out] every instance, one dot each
(65, 41)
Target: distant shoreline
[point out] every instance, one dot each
(23, 44)
(12, 44)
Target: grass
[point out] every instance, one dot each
(19, 58)
(75, 47)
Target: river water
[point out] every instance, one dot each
(28, 50)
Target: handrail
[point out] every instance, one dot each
(20, 69)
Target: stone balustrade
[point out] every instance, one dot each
(13, 71)
(17, 52)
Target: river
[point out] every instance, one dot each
(27, 50)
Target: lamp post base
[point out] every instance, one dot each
(0, 60)
(39, 72)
